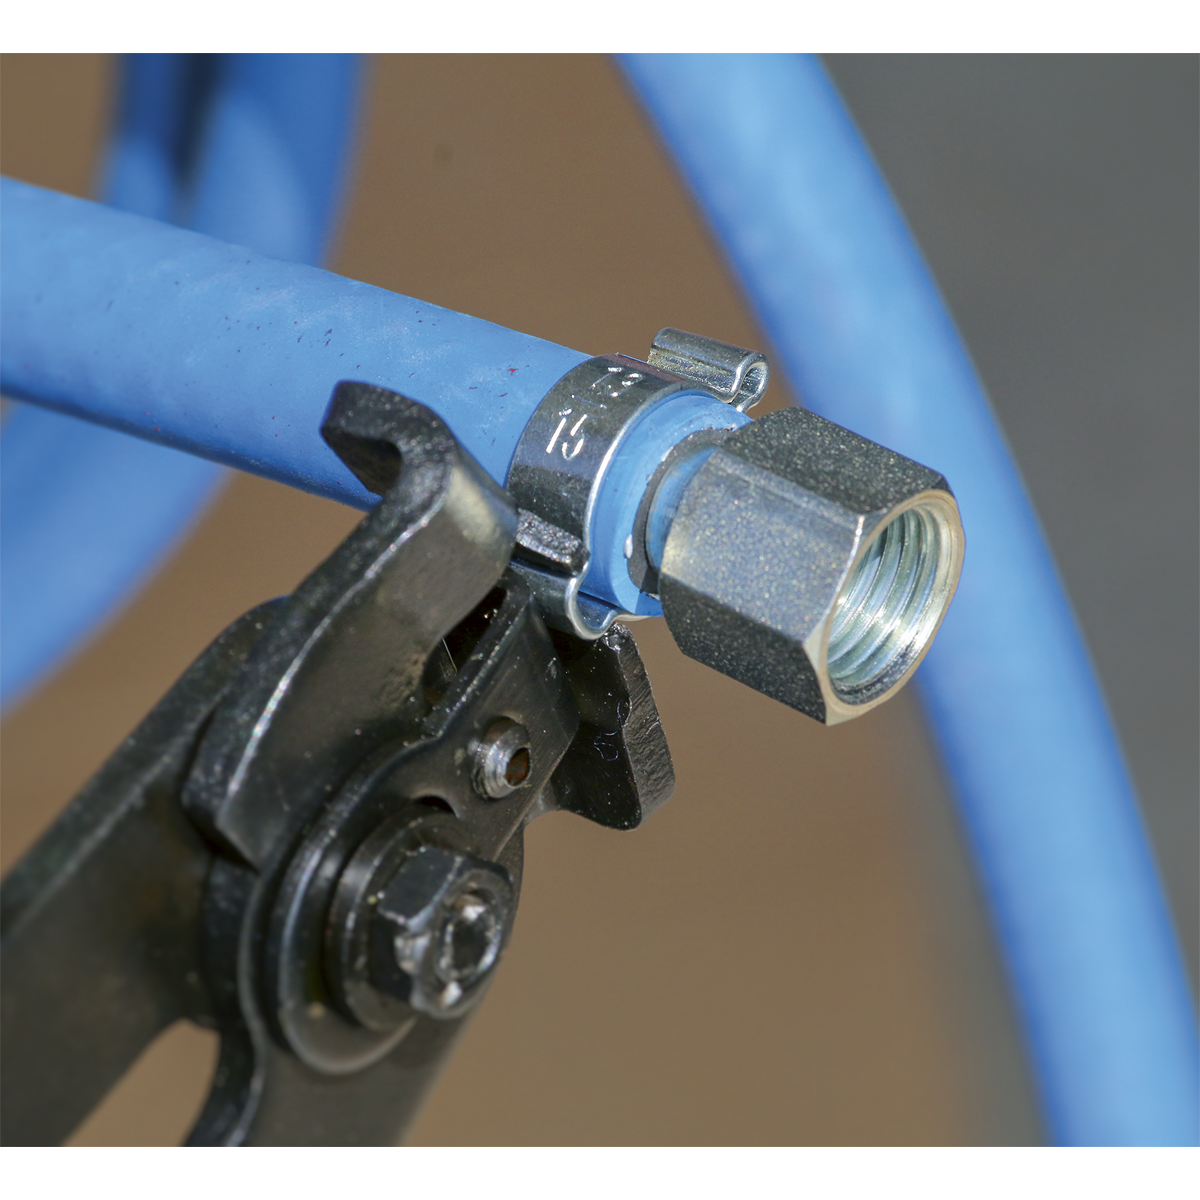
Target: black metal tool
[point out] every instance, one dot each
(314, 842)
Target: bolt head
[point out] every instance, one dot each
(437, 930)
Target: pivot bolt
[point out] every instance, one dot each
(438, 927)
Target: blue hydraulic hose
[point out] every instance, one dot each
(249, 148)
(858, 326)
(211, 348)
(217, 350)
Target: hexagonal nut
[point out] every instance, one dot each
(811, 564)
(438, 928)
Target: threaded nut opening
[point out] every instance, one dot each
(891, 604)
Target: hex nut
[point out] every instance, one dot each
(811, 564)
(438, 928)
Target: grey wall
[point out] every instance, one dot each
(1056, 201)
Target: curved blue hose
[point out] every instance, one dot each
(160, 107)
(271, 167)
(249, 148)
(858, 326)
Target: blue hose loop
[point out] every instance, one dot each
(77, 534)
(250, 148)
(857, 324)
(272, 165)
(161, 102)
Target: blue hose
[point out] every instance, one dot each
(161, 104)
(212, 348)
(858, 326)
(271, 168)
(249, 148)
(208, 347)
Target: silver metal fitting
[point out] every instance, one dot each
(807, 562)
(790, 554)
(502, 761)
(732, 373)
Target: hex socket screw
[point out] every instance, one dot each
(437, 930)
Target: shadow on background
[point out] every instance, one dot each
(792, 950)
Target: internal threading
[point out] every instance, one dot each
(890, 606)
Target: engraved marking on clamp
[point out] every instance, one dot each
(574, 430)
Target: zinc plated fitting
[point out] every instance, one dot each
(788, 553)
(805, 561)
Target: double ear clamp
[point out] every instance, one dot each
(571, 441)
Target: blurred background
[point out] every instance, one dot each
(793, 950)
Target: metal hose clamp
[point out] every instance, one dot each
(572, 438)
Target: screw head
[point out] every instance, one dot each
(437, 930)
(470, 939)
(502, 759)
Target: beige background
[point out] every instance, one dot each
(791, 951)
